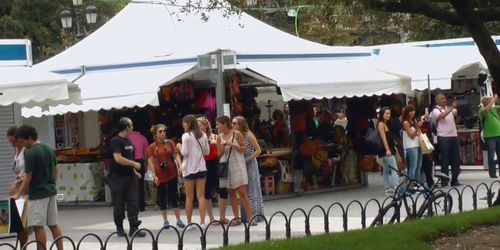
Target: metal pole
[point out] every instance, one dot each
(429, 88)
(220, 90)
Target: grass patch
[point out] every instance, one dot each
(407, 236)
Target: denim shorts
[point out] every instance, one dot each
(199, 175)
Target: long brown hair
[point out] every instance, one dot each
(225, 120)
(406, 114)
(192, 125)
(205, 122)
(242, 124)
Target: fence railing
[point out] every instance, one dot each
(482, 191)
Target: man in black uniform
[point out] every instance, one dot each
(123, 179)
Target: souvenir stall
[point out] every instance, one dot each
(307, 151)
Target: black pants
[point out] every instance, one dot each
(449, 153)
(212, 181)
(427, 169)
(168, 191)
(142, 186)
(124, 192)
(493, 147)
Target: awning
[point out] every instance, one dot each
(439, 64)
(116, 89)
(32, 87)
(329, 78)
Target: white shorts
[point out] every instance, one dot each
(42, 212)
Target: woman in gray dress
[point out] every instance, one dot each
(253, 150)
(231, 146)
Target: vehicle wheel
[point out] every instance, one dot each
(441, 204)
(387, 215)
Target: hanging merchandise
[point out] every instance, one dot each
(234, 87)
(186, 91)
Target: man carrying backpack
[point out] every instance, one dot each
(490, 119)
(447, 137)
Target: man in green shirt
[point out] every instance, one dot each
(40, 181)
(490, 118)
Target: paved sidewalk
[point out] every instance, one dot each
(77, 221)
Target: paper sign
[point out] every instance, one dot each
(4, 217)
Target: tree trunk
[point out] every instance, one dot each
(481, 36)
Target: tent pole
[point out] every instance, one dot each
(429, 88)
(220, 95)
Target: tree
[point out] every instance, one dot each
(474, 15)
(471, 14)
(39, 21)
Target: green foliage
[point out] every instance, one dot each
(412, 235)
(38, 20)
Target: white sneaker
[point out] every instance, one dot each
(203, 227)
(191, 227)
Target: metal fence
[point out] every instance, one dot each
(481, 191)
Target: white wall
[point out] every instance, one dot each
(89, 129)
(45, 127)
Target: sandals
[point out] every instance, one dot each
(235, 222)
(253, 223)
(225, 221)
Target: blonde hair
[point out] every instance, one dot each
(205, 122)
(154, 129)
(242, 124)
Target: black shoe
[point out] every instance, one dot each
(135, 224)
(138, 234)
(493, 176)
(456, 184)
(120, 232)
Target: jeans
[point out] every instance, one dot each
(414, 162)
(449, 153)
(493, 146)
(391, 179)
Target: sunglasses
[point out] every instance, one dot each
(161, 131)
(235, 123)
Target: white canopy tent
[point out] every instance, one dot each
(156, 34)
(106, 90)
(440, 60)
(328, 79)
(30, 87)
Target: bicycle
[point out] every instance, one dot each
(434, 203)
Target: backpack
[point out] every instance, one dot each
(433, 123)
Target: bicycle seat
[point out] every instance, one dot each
(442, 176)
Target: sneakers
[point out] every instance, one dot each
(166, 224)
(191, 227)
(389, 192)
(180, 224)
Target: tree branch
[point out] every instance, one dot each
(421, 7)
(489, 14)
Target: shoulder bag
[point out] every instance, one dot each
(223, 169)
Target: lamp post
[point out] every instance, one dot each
(67, 17)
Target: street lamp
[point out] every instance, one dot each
(67, 17)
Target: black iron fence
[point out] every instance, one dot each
(482, 191)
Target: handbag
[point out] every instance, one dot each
(309, 147)
(223, 170)
(374, 143)
(425, 144)
(400, 161)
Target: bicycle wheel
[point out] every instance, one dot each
(440, 204)
(387, 215)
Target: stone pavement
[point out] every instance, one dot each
(76, 221)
